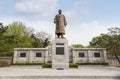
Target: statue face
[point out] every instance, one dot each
(60, 11)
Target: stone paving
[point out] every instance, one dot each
(61, 79)
(37, 73)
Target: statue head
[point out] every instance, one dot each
(60, 11)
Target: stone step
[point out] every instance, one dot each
(82, 73)
(60, 77)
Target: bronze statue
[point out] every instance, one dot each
(61, 23)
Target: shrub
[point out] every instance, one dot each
(6, 54)
(4, 64)
(27, 63)
(92, 63)
(71, 65)
(46, 65)
(70, 62)
(49, 62)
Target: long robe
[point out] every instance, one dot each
(61, 23)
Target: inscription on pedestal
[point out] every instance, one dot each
(59, 50)
(59, 43)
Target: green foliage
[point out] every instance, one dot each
(42, 39)
(4, 64)
(14, 35)
(99, 41)
(92, 63)
(44, 65)
(21, 35)
(77, 46)
(6, 54)
(110, 41)
(70, 61)
(17, 35)
(2, 29)
(47, 65)
(27, 63)
(71, 65)
(49, 62)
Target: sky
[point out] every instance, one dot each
(86, 18)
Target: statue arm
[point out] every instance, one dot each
(65, 21)
(55, 19)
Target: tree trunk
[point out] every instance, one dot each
(117, 56)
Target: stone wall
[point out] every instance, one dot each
(88, 55)
(76, 55)
(30, 55)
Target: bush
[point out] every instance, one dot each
(70, 62)
(6, 54)
(27, 63)
(48, 65)
(4, 64)
(92, 63)
(71, 65)
(49, 62)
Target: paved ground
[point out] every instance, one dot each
(61, 79)
(37, 73)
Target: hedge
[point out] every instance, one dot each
(71, 65)
(49, 62)
(46, 65)
(27, 63)
(92, 63)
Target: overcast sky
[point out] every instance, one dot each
(86, 18)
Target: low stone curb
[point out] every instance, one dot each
(59, 77)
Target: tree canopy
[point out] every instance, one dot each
(17, 35)
(77, 46)
(110, 41)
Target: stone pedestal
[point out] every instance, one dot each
(60, 54)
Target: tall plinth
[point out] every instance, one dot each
(60, 54)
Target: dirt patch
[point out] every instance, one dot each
(5, 61)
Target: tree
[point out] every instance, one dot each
(111, 41)
(21, 35)
(2, 29)
(4, 47)
(77, 46)
(13, 36)
(99, 41)
(42, 39)
(17, 35)
(114, 36)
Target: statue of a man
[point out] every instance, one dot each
(61, 23)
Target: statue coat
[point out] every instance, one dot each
(61, 23)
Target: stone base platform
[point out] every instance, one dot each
(82, 73)
(60, 54)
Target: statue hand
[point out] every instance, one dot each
(65, 25)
